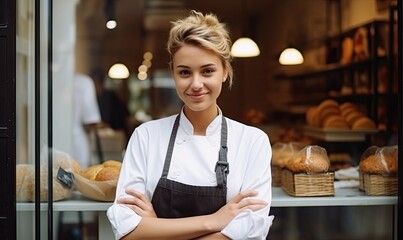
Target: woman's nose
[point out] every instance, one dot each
(197, 82)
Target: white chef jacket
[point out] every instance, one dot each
(193, 162)
(85, 111)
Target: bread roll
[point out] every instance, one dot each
(335, 121)
(352, 116)
(112, 163)
(92, 172)
(109, 170)
(347, 105)
(364, 123)
(326, 113)
(108, 173)
(311, 116)
(327, 103)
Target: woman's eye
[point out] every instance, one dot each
(208, 71)
(184, 73)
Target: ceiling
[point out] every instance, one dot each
(143, 26)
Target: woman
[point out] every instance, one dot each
(195, 175)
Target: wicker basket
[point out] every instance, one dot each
(380, 185)
(361, 186)
(304, 185)
(276, 176)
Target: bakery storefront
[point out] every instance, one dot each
(333, 120)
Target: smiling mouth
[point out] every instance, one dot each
(197, 96)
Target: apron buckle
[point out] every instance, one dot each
(223, 165)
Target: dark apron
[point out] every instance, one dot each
(176, 200)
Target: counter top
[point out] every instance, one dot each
(343, 197)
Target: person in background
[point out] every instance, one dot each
(114, 111)
(86, 117)
(196, 174)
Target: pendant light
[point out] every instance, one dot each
(110, 14)
(244, 46)
(291, 56)
(118, 71)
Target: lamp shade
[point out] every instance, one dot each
(245, 47)
(291, 56)
(118, 71)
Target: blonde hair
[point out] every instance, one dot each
(203, 31)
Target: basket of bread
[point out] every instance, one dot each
(282, 153)
(378, 170)
(62, 181)
(307, 173)
(98, 182)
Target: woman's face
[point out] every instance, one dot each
(198, 75)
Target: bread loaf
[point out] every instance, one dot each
(109, 170)
(108, 173)
(26, 184)
(309, 164)
(25, 178)
(364, 123)
(382, 161)
(375, 165)
(335, 121)
(284, 152)
(311, 159)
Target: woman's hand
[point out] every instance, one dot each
(138, 203)
(236, 205)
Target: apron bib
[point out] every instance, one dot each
(173, 199)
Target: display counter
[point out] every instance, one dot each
(343, 197)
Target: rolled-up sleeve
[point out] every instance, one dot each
(122, 219)
(255, 224)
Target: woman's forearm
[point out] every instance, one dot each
(212, 236)
(178, 228)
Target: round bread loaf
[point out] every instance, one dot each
(327, 113)
(378, 164)
(92, 172)
(312, 116)
(352, 116)
(108, 173)
(364, 123)
(108, 170)
(335, 121)
(112, 163)
(327, 103)
(311, 159)
(347, 105)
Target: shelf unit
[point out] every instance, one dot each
(367, 78)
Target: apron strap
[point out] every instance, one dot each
(171, 144)
(222, 167)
